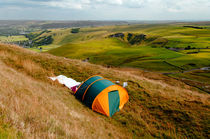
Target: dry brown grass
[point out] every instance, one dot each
(28, 65)
(38, 109)
(160, 107)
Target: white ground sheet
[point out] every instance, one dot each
(68, 82)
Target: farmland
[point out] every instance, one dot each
(12, 38)
(170, 49)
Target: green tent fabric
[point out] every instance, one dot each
(102, 95)
(114, 102)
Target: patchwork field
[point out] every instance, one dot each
(114, 51)
(9, 39)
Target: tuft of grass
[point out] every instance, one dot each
(6, 131)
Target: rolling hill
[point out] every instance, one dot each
(32, 106)
(163, 46)
(178, 50)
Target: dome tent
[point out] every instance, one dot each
(102, 95)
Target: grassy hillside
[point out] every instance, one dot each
(151, 51)
(165, 48)
(114, 52)
(33, 106)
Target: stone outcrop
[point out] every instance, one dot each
(131, 38)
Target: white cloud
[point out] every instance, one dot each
(80, 4)
(185, 5)
(170, 5)
(167, 5)
(63, 4)
(71, 4)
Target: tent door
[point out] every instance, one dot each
(114, 102)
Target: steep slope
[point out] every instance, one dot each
(33, 106)
(38, 109)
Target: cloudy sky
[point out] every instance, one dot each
(105, 9)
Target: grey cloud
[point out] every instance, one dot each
(106, 9)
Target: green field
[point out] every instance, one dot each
(151, 54)
(12, 38)
(45, 48)
(93, 43)
(114, 52)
